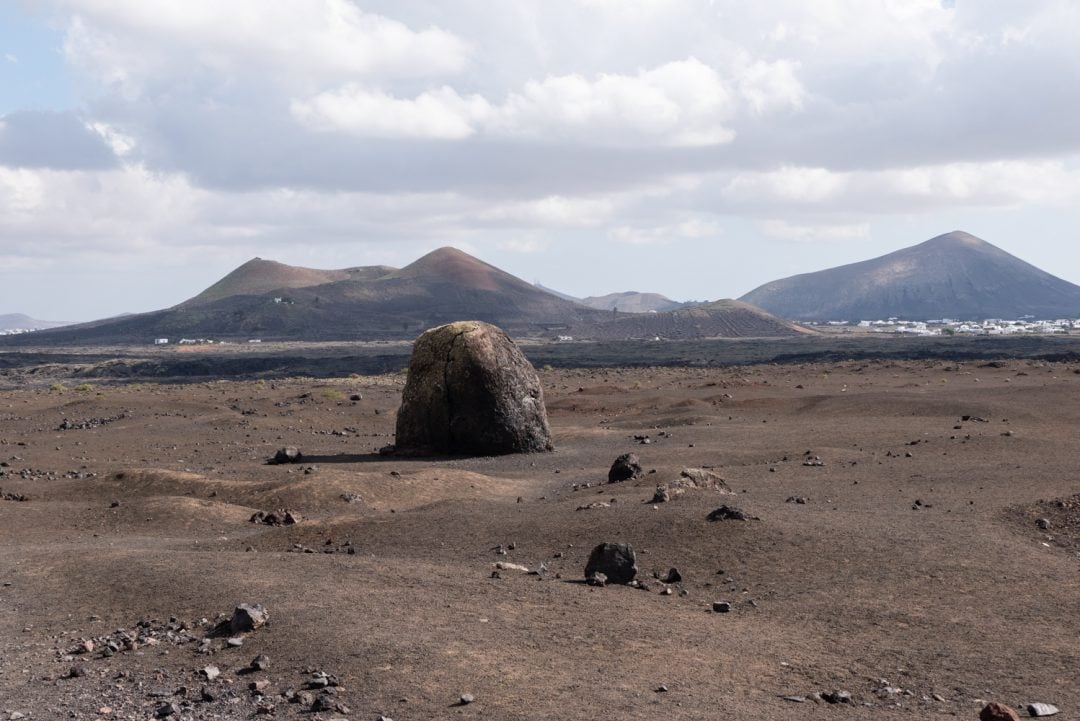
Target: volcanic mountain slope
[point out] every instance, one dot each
(270, 301)
(632, 302)
(19, 321)
(258, 276)
(955, 275)
(719, 319)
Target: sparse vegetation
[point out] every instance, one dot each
(84, 388)
(332, 394)
(57, 388)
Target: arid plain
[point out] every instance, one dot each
(916, 574)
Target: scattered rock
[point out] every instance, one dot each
(661, 495)
(690, 479)
(801, 500)
(837, 697)
(1043, 523)
(997, 712)
(280, 517)
(288, 454)
(248, 617)
(471, 390)
(672, 576)
(1041, 709)
(351, 497)
(596, 579)
(166, 710)
(210, 672)
(721, 606)
(730, 513)
(626, 467)
(466, 699)
(616, 561)
(260, 662)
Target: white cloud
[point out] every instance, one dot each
(553, 210)
(693, 228)
(524, 245)
(11, 58)
(804, 233)
(132, 42)
(120, 143)
(998, 184)
(683, 103)
(794, 185)
(439, 114)
(767, 86)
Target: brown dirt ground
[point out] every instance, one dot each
(960, 595)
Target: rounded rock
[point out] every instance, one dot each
(470, 390)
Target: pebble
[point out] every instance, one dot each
(721, 606)
(1041, 709)
(467, 698)
(235, 642)
(166, 710)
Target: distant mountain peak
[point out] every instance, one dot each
(957, 239)
(458, 267)
(955, 275)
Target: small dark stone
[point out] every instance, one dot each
(166, 710)
(837, 697)
(730, 513)
(626, 467)
(260, 662)
(616, 561)
(672, 576)
(467, 698)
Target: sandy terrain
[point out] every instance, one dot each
(915, 576)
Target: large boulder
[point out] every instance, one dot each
(470, 390)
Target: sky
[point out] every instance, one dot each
(696, 148)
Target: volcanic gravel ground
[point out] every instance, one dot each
(914, 573)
